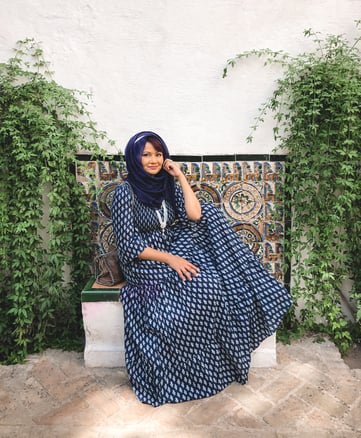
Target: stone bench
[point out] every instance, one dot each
(104, 330)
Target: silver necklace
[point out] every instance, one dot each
(162, 221)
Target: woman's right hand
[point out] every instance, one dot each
(184, 268)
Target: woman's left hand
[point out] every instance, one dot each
(171, 167)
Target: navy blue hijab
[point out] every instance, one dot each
(151, 190)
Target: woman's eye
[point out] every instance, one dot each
(147, 155)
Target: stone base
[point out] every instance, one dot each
(265, 355)
(104, 331)
(104, 334)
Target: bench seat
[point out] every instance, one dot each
(104, 330)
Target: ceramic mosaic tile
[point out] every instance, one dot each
(248, 192)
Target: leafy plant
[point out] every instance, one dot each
(316, 106)
(44, 219)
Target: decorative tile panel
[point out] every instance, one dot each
(247, 191)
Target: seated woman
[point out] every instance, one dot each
(197, 300)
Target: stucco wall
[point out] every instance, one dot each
(157, 64)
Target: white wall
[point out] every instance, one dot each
(157, 64)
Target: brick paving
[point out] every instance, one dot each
(310, 393)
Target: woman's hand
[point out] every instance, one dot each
(171, 167)
(183, 267)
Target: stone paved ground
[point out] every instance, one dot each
(311, 393)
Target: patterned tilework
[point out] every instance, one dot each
(248, 192)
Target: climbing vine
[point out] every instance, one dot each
(316, 106)
(44, 220)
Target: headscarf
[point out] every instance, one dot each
(151, 190)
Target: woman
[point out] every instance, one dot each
(197, 301)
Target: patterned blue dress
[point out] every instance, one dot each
(186, 340)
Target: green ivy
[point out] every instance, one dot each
(316, 106)
(44, 219)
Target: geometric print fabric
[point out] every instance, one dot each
(189, 339)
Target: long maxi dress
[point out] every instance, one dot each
(186, 340)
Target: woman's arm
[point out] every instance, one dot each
(191, 203)
(183, 267)
(130, 244)
(128, 239)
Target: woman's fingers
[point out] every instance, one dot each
(188, 271)
(170, 167)
(185, 269)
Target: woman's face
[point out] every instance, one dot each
(152, 160)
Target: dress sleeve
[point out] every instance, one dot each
(128, 239)
(179, 201)
(180, 205)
